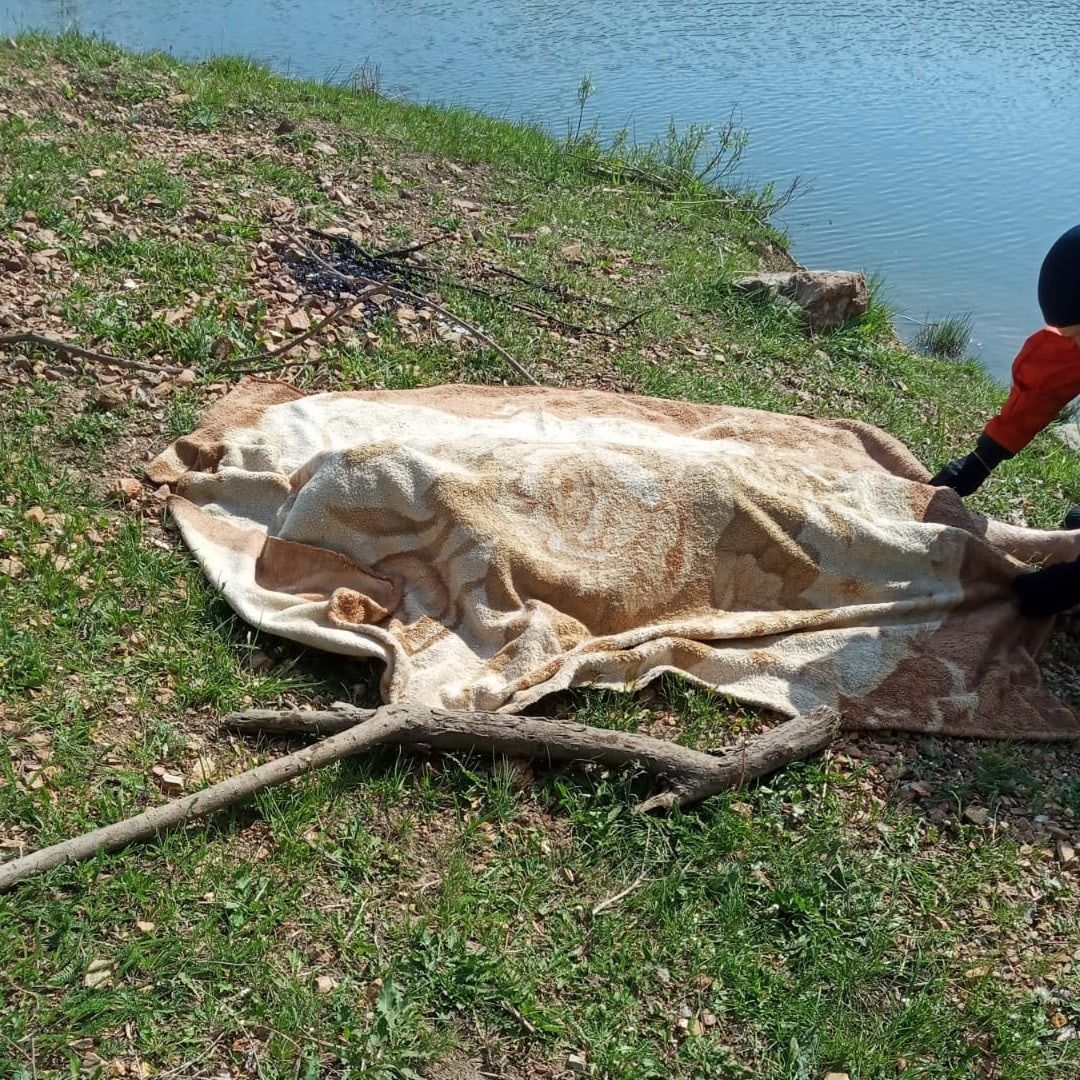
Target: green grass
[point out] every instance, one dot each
(821, 921)
(947, 339)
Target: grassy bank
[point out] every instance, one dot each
(903, 908)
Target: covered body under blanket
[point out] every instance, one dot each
(491, 545)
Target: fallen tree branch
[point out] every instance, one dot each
(622, 170)
(690, 775)
(413, 297)
(65, 348)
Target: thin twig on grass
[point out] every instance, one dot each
(400, 253)
(65, 348)
(689, 775)
(524, 1021)
(408, 294)
(390, 253)
(521, 305)
(611, 901)
(251, 364)
(633, 319)
(560, 291)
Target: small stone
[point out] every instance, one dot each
(169, 782)
(663, 976)
(1066, 853)
(203, 769)
(976, 815)
(577, 1062)
(145, 927)
(96, 174)
(324, 984)
(837, 1076)
(12, 567)
(98, 974)
(298, 321)
(108, 399)
(324, 148)
(36, 514)
(573, 253)
(124, 489)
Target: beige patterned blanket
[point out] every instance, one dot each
(491, 545)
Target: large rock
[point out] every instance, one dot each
(829, 298)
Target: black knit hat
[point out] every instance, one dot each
(1059, 281)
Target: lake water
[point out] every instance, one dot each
(939, 136)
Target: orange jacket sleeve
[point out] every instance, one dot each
(1045, 378)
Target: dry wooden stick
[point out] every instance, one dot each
(390, 253)
(521, 305)
(65, 348)
(622, 894)
(244, 364)
(633, 319)
(408, 294)
(208, 801)
(690, 775)
(562, 292)
(398, 253)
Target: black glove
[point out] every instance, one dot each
(964, 475)
(1050, 591)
